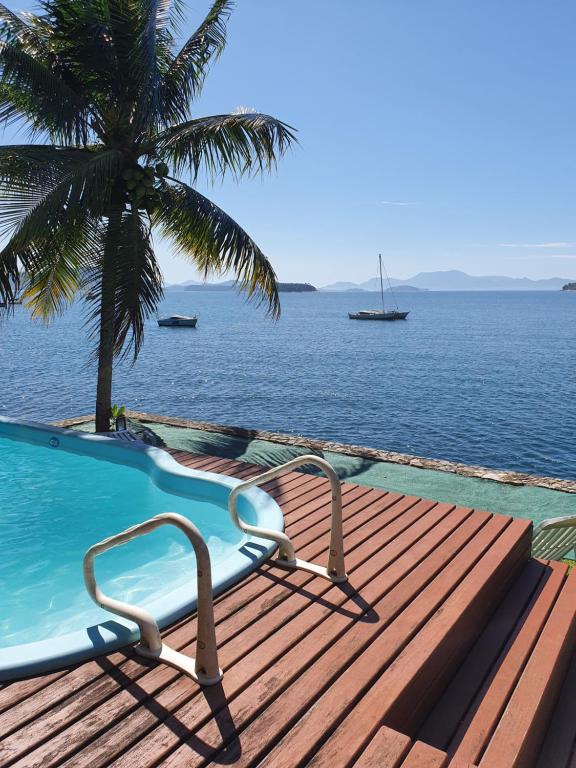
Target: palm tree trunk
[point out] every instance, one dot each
(107, 300)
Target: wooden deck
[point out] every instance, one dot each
(449, 646)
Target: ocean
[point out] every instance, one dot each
(483, 378)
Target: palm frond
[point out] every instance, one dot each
(150, 52)
(92, 43)
(176, 16)
(14, 29)
(237, 143)
(32, 91)
(10, 277)
(57, 266)
(184, 79)
(44, 194)
(214, 242)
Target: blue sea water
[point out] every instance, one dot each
(483, 378)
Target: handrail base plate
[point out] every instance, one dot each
(181, 662)
(317, 570)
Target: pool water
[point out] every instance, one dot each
(54, 504)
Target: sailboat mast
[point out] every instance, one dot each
(381, 281)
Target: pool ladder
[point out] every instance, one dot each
(204, 667)
(335, 571)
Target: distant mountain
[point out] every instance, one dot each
(228, 285)
(455, 280)
(181, 286)
(569, 287)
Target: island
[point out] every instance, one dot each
(296, 287)
(569, 287)
(406, 289)
(228, 285)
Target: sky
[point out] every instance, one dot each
(440, 133)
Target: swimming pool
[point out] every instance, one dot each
(61, 492)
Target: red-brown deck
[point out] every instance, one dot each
(449, 646)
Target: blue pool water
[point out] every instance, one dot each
(483, 378)
(56, 502)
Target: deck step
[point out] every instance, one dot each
(559, 746)
(409, 662)
(424, 756)
(496, 710)
(417, 677)
(387, 749)
(522, 727)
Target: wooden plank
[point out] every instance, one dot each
(293, 480)
(318, 493)
(459, 764)
(477, 728)
(300, 508)
(520, 732)
(387, 749)
(154, 680)
(185, 457)
(424, 756)
(383, 676)
(293, 647)
(559, 746)
(307, 523)
(212, 463)
(12, 693)
(288, 491)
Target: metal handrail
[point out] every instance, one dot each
(204, 668)
(335, 571)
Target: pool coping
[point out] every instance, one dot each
(27, 659)
(358, 451)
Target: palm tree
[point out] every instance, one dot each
(104, 84)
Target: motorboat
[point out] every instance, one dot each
(178, 321)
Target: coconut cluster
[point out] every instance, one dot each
(140, 185)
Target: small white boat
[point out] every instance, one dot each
(178, 321)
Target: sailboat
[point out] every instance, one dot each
(380, 314)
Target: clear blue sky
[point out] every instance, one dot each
(439, 132)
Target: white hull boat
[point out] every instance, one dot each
(378, 314)
(178, 321)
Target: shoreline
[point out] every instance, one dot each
(358, 451)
